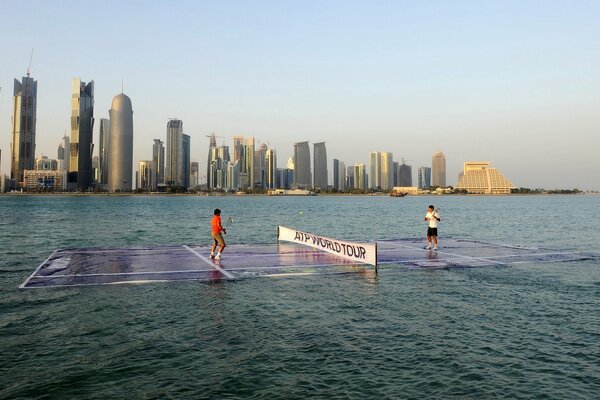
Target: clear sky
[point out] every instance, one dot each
(516, 83)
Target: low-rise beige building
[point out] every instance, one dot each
(478, 178)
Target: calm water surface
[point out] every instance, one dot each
(524, 331)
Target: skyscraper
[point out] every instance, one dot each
(320, 166)
(374, 170)
(23, 127)
(342, 186)
(387, 170)
(103, 150)
(302, 178)
(63, 154)
(271, 173)
(158, 156)
(404, 175)
(260, 167)
(238, 142)
(336, 173)
(173, 169)
(120, 157)
(194, 174)
(210, 161)
(82, 124)
(147, 175)
(350, 177)
(360, 178)
(246, 165)
(185, 160)
(424, 178)
(438, 169)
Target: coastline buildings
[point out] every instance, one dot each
(173, 168)
(103, 151)
(478, 178)
(82, 124)
(424, 178)
(320, 166)
(302, 175)
(438, 169)
(23, 127)
(120, 156)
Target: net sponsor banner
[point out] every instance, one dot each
(359, 252)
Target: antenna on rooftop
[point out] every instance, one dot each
(29, 66)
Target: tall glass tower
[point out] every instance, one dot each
(386, 180)
(82, 124)
(320, 166)
(173, 169)
(438, 169)
(374, 170)
(104, 150)
(158, 156)
(302, 178)
(185, 160)
(23, 127)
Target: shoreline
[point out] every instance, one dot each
(69, 194)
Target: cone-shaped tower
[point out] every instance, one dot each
(120, 169)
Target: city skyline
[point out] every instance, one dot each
(412, 79)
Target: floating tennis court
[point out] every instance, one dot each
(103, 266)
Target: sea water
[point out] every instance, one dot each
(521, 331)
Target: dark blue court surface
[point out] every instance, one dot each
(103, 266)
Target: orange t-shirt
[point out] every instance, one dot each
(216, 224)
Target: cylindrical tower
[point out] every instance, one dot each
(120, 168)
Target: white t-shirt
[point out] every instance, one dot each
(433, 223)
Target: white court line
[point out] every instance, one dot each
(212, 264)
(456, 255)
(121, 273)
(36, 270)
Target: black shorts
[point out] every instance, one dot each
(431, 231)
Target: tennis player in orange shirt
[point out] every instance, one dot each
(217, 235)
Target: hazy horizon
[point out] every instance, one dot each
(514, 83)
